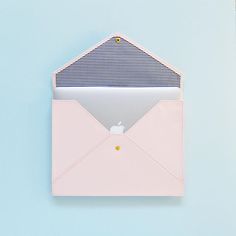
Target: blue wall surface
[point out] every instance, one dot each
(37, 37)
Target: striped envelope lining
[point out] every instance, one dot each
(115, 64)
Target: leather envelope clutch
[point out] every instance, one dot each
(88, 159)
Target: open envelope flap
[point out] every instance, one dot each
(74, 133)
(160, 134)
(112, 171)
(122, 64)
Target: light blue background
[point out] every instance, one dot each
(37, 37)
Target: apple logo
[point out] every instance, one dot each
(117, 129)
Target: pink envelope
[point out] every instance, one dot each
(86, 161)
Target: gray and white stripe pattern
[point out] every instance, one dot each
(115, 64)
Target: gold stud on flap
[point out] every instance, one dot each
(117, 39)
(117, 148)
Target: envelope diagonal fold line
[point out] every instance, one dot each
(91, 116)
(80, 160)
(154, 160)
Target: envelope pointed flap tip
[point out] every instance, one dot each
(117, 167)
(160, 133)
(74, 133)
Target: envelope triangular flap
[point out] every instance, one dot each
(108, 172)
(74, 134)
(117, 62)
(160, 134)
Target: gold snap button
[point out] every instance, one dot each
(117, 148)
(117, 39)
